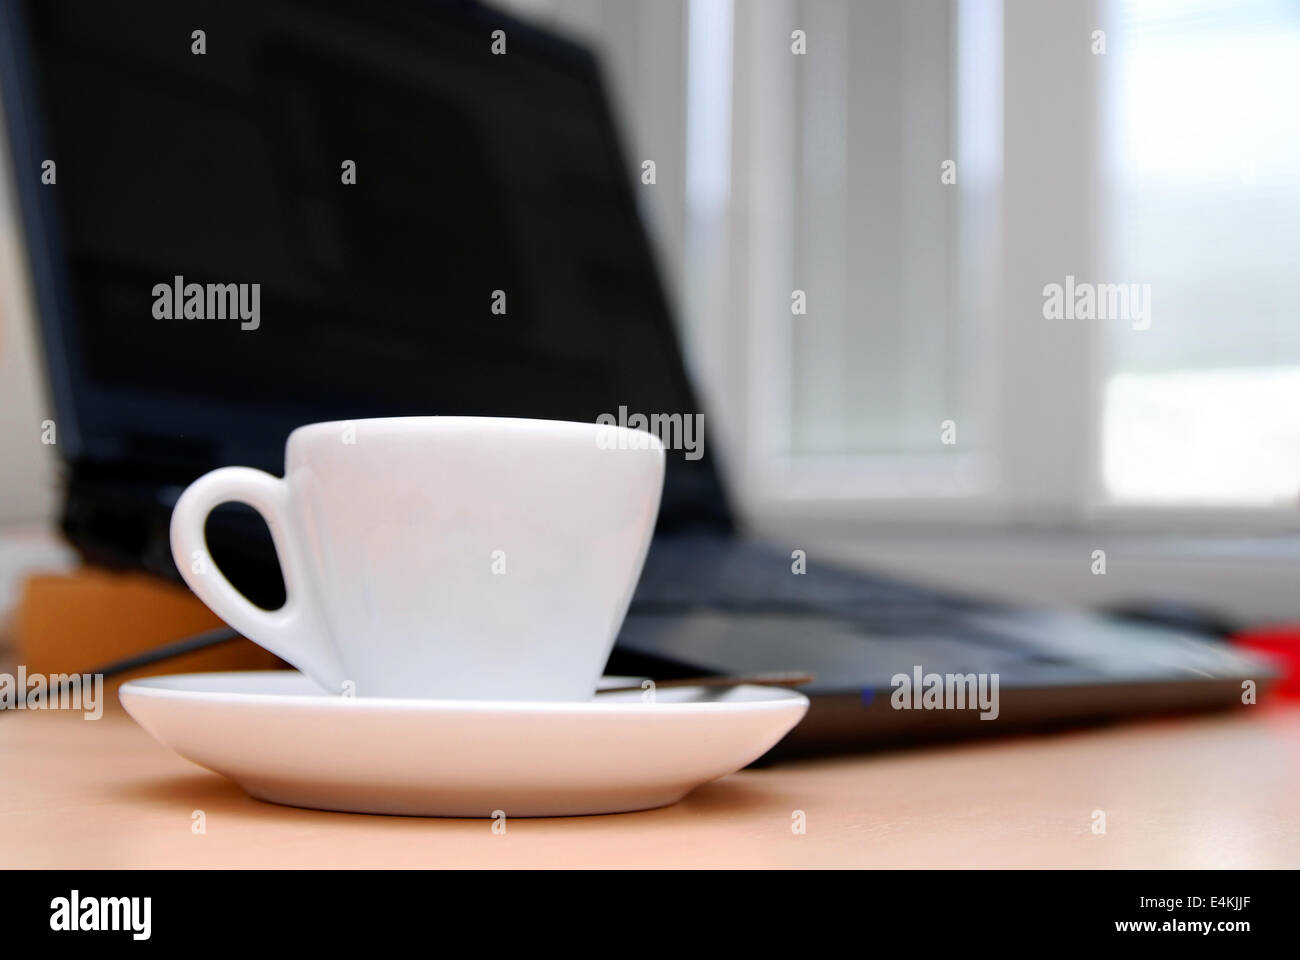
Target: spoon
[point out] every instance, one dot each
(734, 680)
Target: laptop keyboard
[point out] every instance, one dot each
(734, 602)
(689, 573)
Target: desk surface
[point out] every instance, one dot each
(1215, 791)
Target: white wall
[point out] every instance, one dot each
(28, 468)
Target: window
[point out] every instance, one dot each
(849, 311)
(1202, 194)
(866, 372)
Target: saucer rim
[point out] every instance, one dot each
(159, 686)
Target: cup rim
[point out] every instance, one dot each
(417, 423)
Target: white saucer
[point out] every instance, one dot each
(279, 737)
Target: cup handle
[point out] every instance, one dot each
(290, 632)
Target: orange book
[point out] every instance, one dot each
(79, 622)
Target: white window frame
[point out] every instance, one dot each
(1043, 379)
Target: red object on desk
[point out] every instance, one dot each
(1281, 644)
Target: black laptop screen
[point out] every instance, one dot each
(433, 227)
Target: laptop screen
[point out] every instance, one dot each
(271, 213)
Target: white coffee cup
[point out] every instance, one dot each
(441, 557)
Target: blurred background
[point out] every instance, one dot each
(902, 180)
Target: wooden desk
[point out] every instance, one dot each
(1200, 792)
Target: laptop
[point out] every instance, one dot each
(486, 258)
